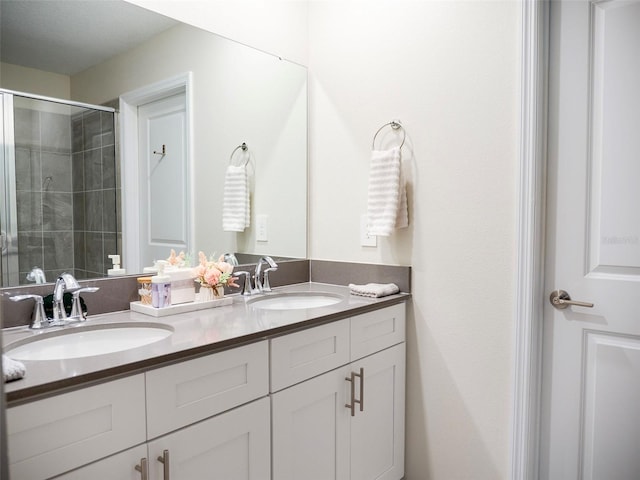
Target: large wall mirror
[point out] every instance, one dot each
(231, 95)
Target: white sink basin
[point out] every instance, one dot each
(295, 300)
(88, 341)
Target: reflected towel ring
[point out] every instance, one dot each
(244, 149)
(395, 124)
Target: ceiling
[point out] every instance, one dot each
(69, 36)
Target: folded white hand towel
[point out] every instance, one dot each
(374, 290)
(12, 369)
(387, 199)
(235, 203)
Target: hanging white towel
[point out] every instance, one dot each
(387, 203)
(12, 369)
(235, 203)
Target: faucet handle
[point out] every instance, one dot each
(76, 306)
(38, 317)
(246, 286)
(266, 287)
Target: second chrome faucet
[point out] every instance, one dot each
(261, 277)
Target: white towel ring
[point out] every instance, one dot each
(395, 124)
(244, 149)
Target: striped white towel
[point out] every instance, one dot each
(12, 369)
(235, 203)
(387, 205)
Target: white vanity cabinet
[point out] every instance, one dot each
(201, 412)
(316, 434)
(326, 402)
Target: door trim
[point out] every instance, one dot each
(129, 103)
(528, 307)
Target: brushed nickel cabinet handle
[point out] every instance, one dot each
(361, 401)
(143, 469)
(164, 459)
(352, 405)
(561, 299)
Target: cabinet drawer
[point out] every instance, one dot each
(51, 436)
(121, 466)
(377, 330)
(301, 355)
(190, 391)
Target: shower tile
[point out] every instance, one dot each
(109, 167)
(57, 211)
(77, 137)
(79, 248)
(26, 127)
(79, 223)
(28, 177)
(93, 169)
(93, 211)
(77, 172)
(30, 248)
(110, 247)
(107, 120)
(91, 130)
(118, 210)
(58, 251)
(109, 223)
(56, 172)
(29, 210)
(55, 132)
(95, 252)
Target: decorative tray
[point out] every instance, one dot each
(179, 308)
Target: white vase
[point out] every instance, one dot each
(208, 293)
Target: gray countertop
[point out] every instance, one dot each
(195, 333)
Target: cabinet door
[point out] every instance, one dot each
(121, 467)
(377, 433)
(311, 429)
(57, 434)
(231, 446)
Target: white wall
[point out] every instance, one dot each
(449, 70)
(275, 26)
(24, 79)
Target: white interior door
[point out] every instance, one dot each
(591, 356)
(164, 179)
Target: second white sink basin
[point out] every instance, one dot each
(88, 341)
(295, 300)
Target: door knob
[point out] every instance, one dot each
(561, 300)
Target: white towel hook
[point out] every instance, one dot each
(395, 125)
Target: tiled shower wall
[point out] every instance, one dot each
(94, 192)
(66, 192)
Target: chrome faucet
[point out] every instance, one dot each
(36, 275)
(263, 285)
(64, 283)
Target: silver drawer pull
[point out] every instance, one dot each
(143, 469)
(164, 459)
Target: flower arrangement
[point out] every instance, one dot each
(214, 274)
(179, 260)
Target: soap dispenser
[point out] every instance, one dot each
(115, 271)
(161, 287)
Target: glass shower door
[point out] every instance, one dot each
(8, 214)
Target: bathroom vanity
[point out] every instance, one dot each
(243, 391)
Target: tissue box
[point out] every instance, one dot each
(183, 288)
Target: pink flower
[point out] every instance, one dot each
(224, 267)
(212, 276)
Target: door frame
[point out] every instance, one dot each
(129, 102)
(531, 188)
